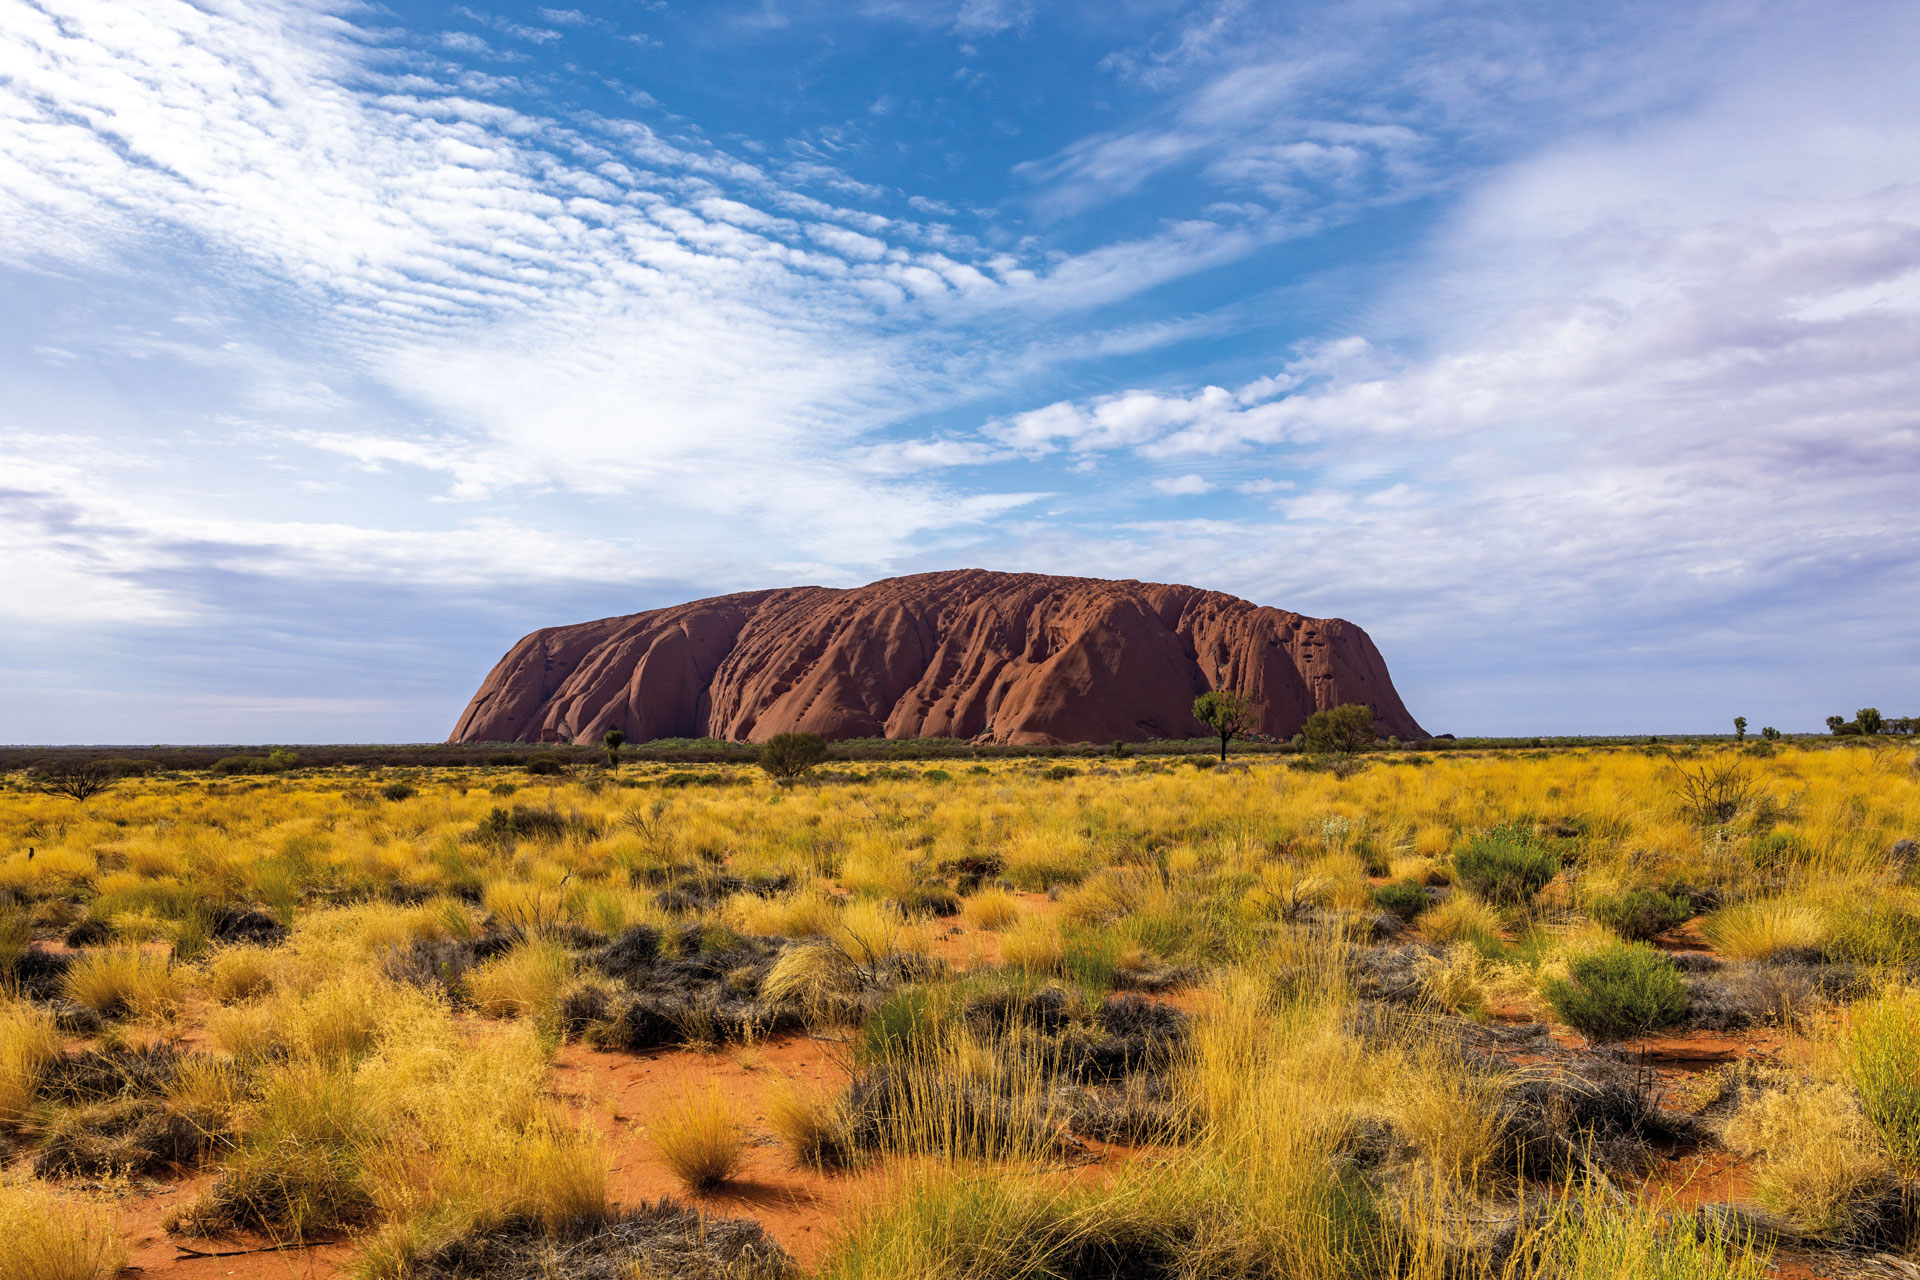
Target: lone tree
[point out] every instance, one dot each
(1225, 712)
(1770, 733)
(787, 756)
(81, 781)
(613, 740)
(1340, 730)
(1739, 728)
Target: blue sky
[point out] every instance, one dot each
(1572, 350)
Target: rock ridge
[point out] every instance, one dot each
(1020, 658)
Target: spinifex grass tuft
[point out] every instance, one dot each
(48, 1236)
(699, 1141)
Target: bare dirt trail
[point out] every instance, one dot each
(965, 948)
(142, 1208)
(622, 1093)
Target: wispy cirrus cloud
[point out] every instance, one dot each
(595, 306)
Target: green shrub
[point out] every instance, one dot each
(1882, 1053)
(1505, 865)
(1592, 1237)
(1875, 934)
(904, 1023)
(1780, 851)
(1621, 990)
(1640, 913)
(1374, 855)
(1340, 730)
(16, 935)
(502, 827)
(398, 791)
(787, 757)
(1091, 957)
(229, 766)
(1405, 899)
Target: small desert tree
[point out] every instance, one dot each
(613, 740)
(787, 756)
(1869, 719)
(81, 781)
(1770, 733)
(1739, 728)
(1339, 730)
(1715, 793)
(1837, 726)
(1225, 712)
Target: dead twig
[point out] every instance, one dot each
(188, 1251)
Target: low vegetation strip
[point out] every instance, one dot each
(1421, 1015)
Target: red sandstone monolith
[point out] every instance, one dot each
(999, 657)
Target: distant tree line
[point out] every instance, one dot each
(1868, 722)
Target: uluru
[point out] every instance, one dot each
(1018, 658)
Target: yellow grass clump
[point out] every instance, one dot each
(699, 1141)
(872, 931)
(810, 912)
(1763, 929)
(1880, 1049)
(239, 973)
(1034, 945)
(1820, 1167)
(992, 909)
(1456, 980)
(1461, 917)
(16, 935)
(818, 976)
(48, 1236)
(126, 979)
(527, 981)
(28, 1042)
(415, 1132)
(812, 1125)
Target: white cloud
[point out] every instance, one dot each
(465, 42)
(1184, 486)
(518, 31)
(1642, 379)
(582, 304)
(991, 17)
(910, 457)
(1131, 419)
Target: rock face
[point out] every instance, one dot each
(998, 657)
